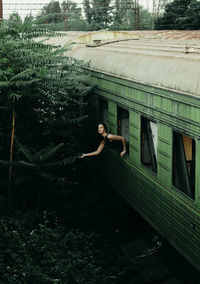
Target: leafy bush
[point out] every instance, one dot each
(42, 109)
(46, 253)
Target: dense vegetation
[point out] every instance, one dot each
(94, 15)
(67, 16)
(121, 15)
(43, 232)
(39, 252)
(42, 106)
(77, 242)
(180, 15)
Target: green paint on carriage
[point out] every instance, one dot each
(155, 78)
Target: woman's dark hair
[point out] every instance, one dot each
(104, 125)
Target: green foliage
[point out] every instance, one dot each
(159, 6)
(98, 15)
(53, 10)
(43, 87)
(36, 249)
(64, 17)
(180, 15)
(69, 16)
(87, 11)
(101, 14)
(146, 19)
(123, 16)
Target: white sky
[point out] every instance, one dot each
(26, 7)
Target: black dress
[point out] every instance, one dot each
(112, 143)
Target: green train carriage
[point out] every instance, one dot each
(147, 88)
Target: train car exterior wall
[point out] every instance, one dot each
(175, 215)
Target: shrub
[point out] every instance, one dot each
(46, 253)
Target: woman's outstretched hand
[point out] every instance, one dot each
(82, 156)
(122, 154)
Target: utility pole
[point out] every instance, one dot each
(136, 15)
(65, 9)
(1, 9)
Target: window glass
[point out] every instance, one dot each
(123, 125)
(184, 163)
(149, 141)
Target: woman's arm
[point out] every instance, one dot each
(95, 153)
(119, 138)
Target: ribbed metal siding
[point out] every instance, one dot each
(164, 154)
(172, 213)
(157, 205)
(112, 117)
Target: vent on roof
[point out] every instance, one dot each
(97, 41)
(189, 49)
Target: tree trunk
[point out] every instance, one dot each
(11, 154)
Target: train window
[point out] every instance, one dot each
(184, 163)
(149, 140)
(103, 111)
(123, 125)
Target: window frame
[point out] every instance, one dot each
(192, 188)
(153, 168)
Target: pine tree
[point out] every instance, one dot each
(194, 15)
(98, 14)
(87, 10)
(42, 105)
(52, 11)
(180, 15)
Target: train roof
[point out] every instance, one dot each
(167, 59)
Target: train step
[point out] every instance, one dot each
(145, 257)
